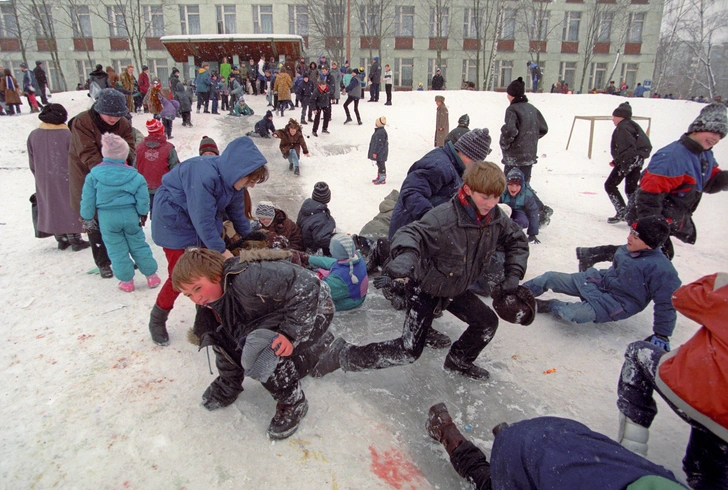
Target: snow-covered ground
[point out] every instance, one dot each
(88, 401)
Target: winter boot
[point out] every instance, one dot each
(348, 120)
(330, 361)
(376, 179)
(77, 243)
(633, 436)
(382, 179)
(127, 286)
(287, 418)
(290, 166)
(437, 340)
(296, 170)
(303, 121)
(153, 281)
(544, 216)
(63, 242)
(588, 256)
(470, 370)
(617, 218)
(543, 306)
(106, 272)
(219, 395)
(158, 325)
(442, 429)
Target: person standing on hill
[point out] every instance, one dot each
(438, 83)
(442, 123)
(42, 79)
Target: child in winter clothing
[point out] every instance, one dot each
(281, 232)
(184, 95)
(345, 272)
(241, 108)
(519, 196)
(292, 141)
(208, 147)
(379, 150)
(263, 128)
(353, 91)
(640, 273)
(315, 221)
(120, 196)
(321, 103)
(155, 156)
(224, 94)
(388, 84)
(275, 311)
(630, 146)
(690, 379)
(214, 92)
(304, 90)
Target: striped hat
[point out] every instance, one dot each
(265, 209)
(342, 248)
(381, 122)
(208, 144)
(155, 126)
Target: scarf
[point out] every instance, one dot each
(472, 210)
(9, 85)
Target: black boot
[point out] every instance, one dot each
(470, 370)
(544, 216)
(219, 395)
(287, 418)
(588, 256)
(441, 428)
(77, 243)
(437, 339)
(63, 242)
(158, 325)
(330, 361)
(617, 218)
(543, 305)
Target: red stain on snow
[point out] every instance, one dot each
(395, 469)
(588, 193)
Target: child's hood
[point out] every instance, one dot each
(113, 174)
(240, 158)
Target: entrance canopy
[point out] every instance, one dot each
(212, 47)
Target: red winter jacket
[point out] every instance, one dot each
(153, 159)
(694, 377)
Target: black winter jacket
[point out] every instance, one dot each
(379, 145)
(453, 249)
(454, 135)
(523, 127)
(628, 143)
(304, 90)
(40, 76)
(437, 82)
(317, 226)
(320, 100)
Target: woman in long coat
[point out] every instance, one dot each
(48, 155)
(9, 86)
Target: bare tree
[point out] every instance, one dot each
(438, 19)
(17, 30)
(73, 21)
(673, 19)
(376, 21)
(600, 24)
(534, 18)
(329, 19)
(494, 12)
(41, 12)
(702, 33)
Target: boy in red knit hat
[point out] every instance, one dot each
(155, 156)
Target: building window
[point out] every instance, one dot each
(365, 64)
(8, 26)
(83, 67)
(189, 18)
(629, 74)
(298, 20)
(598, 75)
(404, 21)
(439, 25)
(571, 26)
(470, 72)
(471, 23)
(116, 19)
(154, 16)
(539, 26)
(81, 21)
(567, 72)
(504, 71)
(263, 19)
(44, 23)
(159, 67)
(120, 65)
(369, 15)
(634, 32)
(509, 24)
(54, 75)
(403, 72)
(432, 67)
(226, 19)
(605, 27)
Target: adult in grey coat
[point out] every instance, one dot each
(336, 77)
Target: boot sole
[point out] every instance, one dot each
(277, 436)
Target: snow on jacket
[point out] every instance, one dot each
(523, 127)
(674, 182)
(113, 184)
(378, 227)
(379, 145)
(189, 204)
(155, 156)
(692, 376)
(354, 88)
(628, 143)
(283, 86)
(431, 181)
(336, 273)
(628, 286)
(317, 225)
(524, 201)
(453, 249)
(282, 226)
(202, 81)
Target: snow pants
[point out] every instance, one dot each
(706, 457)
(482, 324)
(560, 282)
(124, 237)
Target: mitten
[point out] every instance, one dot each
(660, 341)
(142, 219)
(533, 239)
(509, 284)
(88, 225)
(382, 281)
(401, 266)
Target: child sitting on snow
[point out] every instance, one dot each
(345, 272)
(522, 202)
(281, 232)
(241, 108)
(120, 196)
(315, 221)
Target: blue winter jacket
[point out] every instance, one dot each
(524, 201)
(202, 81)
(188, 205)
(430, 181)
(113, 184)
(628, 286)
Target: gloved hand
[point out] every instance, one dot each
(660, 341)
(382, 281)
(396, 286)
(142, 219)
(533, 239)
(509, 284)
(89, 225)
(611, 164)
(401, 266)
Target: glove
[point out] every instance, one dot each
(533, 239)
(611, 164)
(401, 266)
(142, 219)
(382, 282)
(396, 286)
(88, 225)
(509, 284)
(660, 341)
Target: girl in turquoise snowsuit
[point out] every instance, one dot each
(120, 196)
(345, 272)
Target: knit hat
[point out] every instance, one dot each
(439, 98)
(23, 65)
(624, 110)
(258, 359)
(155, 126)
(342, 248)
(114, 146)
(381, 122)
(208, 144)
(321, 193)
(515, 175)
(464, 120)
(516, 87)
(111, 102)
(474, 144)
(53, 114)
(711, 119)
(38, 63)
(265, 209)
(355, 71)
(268, 114)
(653, 230)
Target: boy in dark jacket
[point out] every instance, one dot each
(321, 102)
(521, 199)
(315, 220)
(265, 318)
(461, 129)
(292, 142)
(379, 150)
(184, 95)
(214, 92)
(630, 146)
(304, 90)
(640, 273)
(436, 259)
(264, 128)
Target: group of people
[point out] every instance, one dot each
(266, 313)
(32, 85)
